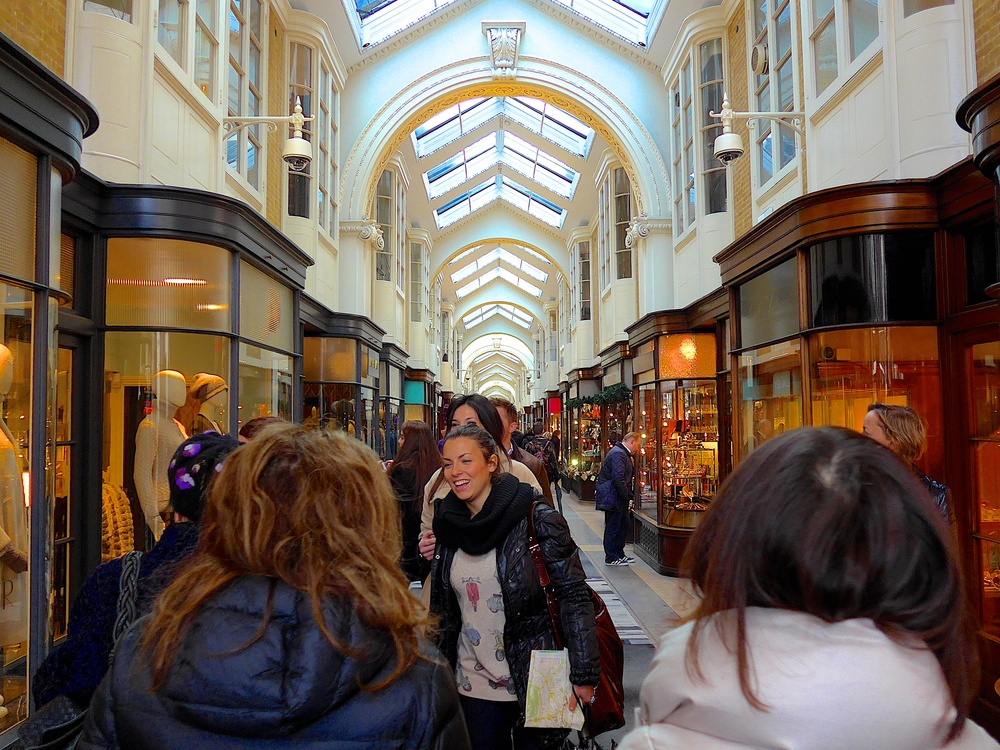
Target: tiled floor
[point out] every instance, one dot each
(655, 601)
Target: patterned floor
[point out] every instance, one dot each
(628, 629)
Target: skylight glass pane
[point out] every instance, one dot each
(464, 254)
(531, 202)
(465, 204)
(385, 19)
(463, 166)
(464, 273)
(548, 121)
(535, 255)
(627, 21)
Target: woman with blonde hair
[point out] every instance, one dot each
(900, 429)
(292, 625)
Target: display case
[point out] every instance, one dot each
(589, 447)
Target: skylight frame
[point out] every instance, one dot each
(618, 18)
(498, 273)
(510, 312)
(393, 17)
(499, 255)
(547, 121)
(502, 188)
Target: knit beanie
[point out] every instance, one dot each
(195, 462)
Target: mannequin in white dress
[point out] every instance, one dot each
(13, 525)
(157, 438)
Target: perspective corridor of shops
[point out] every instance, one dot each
(706, 222)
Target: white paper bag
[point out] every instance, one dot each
(551, 703)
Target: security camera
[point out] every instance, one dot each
(297, 153)
(728, 148)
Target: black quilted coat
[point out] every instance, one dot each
(288, 689)
(528, 625)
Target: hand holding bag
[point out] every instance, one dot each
(607, 712)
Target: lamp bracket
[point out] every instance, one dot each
(296, 120)
(794, 120)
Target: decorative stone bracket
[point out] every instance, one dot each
(504, 38)
(367, 230)
(641, 226)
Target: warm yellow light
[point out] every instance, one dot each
(178, 281)
(688, 349)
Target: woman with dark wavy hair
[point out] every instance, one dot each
(417, 460)
(832, 613)
(292, 625)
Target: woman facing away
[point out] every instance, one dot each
(485, 590)
(418, 458)
(76, 666)
(832, 615)
(900, 429)
(291, 625)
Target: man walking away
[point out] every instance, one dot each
(613, 494)
(545, 451)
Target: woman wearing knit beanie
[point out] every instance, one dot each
(77, 665)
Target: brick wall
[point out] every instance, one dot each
(987, 19)
(39, 26)
(740, 201)
(277, 90)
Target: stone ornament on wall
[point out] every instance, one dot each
(504, 39)
(636, 230)
(368, 230)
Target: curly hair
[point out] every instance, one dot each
(298, 504)
(903, 426)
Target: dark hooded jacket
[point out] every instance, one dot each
(528, 625)
(288, 689)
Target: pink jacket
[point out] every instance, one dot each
(841, 686)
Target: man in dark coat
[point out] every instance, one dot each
(613, 495)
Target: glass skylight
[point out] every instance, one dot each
(625, 20)
(499, 254)
(535, 255)
(503, 188)
(496, 148)
(504, 275)
(548, 121)
(381, 19)
(513, 314)
(465, 254)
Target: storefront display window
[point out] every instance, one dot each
(589, 431)
(265, 384)
(983, 367)
(341, 386)
(160, 387)
(15, 483)
(850, 369)
(769, 305)
(63, 547)
(770, 385)
(648, 460)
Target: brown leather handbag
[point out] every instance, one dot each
(607, 712)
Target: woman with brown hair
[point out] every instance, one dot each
(291, 625)
(417, 460)
(900, 429)
(832, 613)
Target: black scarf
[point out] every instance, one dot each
(507, 505)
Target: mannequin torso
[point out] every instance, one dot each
(157, 438)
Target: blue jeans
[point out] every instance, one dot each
(492, 725)
(615, 529)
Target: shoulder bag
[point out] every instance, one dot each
(607, 712)
(59, 723)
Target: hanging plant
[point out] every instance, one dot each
(615, 394)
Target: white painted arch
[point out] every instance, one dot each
(581, 95)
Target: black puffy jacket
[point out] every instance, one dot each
(528, 625)
(288, 689)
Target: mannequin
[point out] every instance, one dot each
(157, 438)
(13, 526)
(212, 394)
(206, 400)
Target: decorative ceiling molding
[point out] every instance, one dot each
(504, 39)
(596, 32)
(416, 30)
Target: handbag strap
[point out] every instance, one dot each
(128, 596)
(551, 601)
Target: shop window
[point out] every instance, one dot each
(170, 23)
(19, 188)
(265, 384)
(67, 268)
(267, 309)
(385, 215)
(773, 87)
(682, 128)
(246, 52)
(623, 217)
(328, 141)
(553, 336)
(842, 31)
(158, 283)
(981, 262)
(872, 278)
(417, 285)
(604, 234)
(206, 43)
(850, 369)
(300, 89)
(584, 253)
(188, 32)
(769, 305)
(770, 393)
(120, 9)
(63, 544)
(713, 172)
(147, 414)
